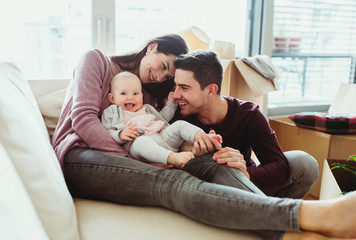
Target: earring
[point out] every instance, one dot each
(146, 53)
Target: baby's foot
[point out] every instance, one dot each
(179, 159)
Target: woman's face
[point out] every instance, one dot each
(156, 67)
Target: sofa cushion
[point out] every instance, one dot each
(50, 106)
(17, 210)
(26, 141)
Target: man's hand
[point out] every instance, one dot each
(204, 143)
(129, 134)
(233, 158)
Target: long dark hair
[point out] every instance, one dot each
(167, 44)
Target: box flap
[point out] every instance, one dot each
(257, 83)
(344, 100)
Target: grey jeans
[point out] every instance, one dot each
(304, 172)
(216, 195)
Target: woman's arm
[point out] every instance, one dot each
(90, 87)
(113, 122)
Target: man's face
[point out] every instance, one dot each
(188, 94)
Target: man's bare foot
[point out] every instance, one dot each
(179, 159)
(333, 218)
(308, 236)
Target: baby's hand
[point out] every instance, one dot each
(212, 135)
(129, 134)
(204, 143)
(170, 97)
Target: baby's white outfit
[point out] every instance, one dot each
(166, 138)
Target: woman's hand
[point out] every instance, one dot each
(129, 134)
(204, 143)
(233, 158)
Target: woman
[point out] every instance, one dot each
(96, 167)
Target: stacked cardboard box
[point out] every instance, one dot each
(243, 82)
(335, 181)
(319, 144)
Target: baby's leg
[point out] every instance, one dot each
(145, 148)
(177, 132)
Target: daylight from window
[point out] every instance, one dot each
(45, 38)
(314, 50)
(139, 20)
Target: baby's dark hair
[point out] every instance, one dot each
(205, 65)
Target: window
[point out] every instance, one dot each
(139, 20)
(314, 51)
(45, 38)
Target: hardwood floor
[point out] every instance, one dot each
(310, 197)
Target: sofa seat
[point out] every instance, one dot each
(37, 203)
(109, 221)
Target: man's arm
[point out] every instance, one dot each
(274, 168)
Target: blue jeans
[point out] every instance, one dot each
(241, 205)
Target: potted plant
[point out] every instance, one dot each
(350, 185)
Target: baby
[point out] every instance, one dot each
(144, 131)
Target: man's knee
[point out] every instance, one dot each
(303, 164)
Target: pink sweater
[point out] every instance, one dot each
(79, 123)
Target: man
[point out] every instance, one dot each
(243, 127)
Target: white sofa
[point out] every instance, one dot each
(34, 200)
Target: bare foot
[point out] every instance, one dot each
(307, 236)
(333, 218)
(179, 159)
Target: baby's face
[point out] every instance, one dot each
(126, 91)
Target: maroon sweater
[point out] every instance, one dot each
(246, 129)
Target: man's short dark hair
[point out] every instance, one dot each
(205, 65)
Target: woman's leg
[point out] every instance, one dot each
(103, 176)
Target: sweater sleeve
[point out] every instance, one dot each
(113, 121)
(274, 168)
(168, 111)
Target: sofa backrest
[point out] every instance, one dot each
(44, 87)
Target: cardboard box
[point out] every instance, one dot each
(243, 82)
(335, 181)
(344, 100)
(318, 144)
